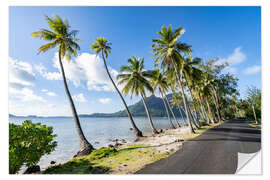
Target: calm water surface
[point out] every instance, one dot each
(98, 131)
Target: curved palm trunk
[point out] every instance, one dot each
(167, 111)
(203, 110)
(85, 147)
(149, 116)
(216, 109)
(137, 132)
(184, 98)
(217, 103)
(210, 112)
(182, 116)
(172, 111)
(254, 113)
(192, 119)
(195, 116)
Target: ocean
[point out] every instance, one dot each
(98, 131)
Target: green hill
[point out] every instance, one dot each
(155, 105)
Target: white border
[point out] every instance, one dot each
(4, 72)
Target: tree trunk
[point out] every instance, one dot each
(219, 120)
(85, 147)
(168, 114)
(137, 132)
(184, 98)
(149, 116)
(210, 112)
(217, 102)
(180, 110)
(254, 113)
(203, 110)
(172, 111)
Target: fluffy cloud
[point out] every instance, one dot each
(236, 57)
(20, 74)
(79, 98)
(48, 75)
(85, 68)
(24, 95)
(252, 70)
(105, 100)
(48, 92)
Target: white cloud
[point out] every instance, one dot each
(252, 70)
(20, 73)
(105, 100)
(85, 68)
(236, 57)
(79, 98)
(48, 92)
(48, 75)
(24, 95)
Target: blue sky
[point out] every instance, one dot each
(230, 33)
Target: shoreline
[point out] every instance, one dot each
(130, 156)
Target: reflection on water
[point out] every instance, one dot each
(98, 131)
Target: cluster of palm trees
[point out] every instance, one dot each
(196, 86)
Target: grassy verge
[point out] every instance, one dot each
(252, 124)
(198, 132)
(109, 161)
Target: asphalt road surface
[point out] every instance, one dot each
(213, 152)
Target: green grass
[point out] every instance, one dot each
(109, 161)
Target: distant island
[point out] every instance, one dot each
(155, 104)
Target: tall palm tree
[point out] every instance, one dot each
(103, 46)
(158, 81)
(60, 35)
(135, 81)
(176, 101)
(169, 51)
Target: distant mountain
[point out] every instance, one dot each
(155, 105)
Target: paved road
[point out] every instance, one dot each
(214, 152)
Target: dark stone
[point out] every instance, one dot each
(110, 146)
(117, 145)
(33, 169)
(96, 142)
(115, 140)
(131, 129)
(52, 162)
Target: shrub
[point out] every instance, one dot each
(28, 143)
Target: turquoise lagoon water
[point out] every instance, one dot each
(98, 131)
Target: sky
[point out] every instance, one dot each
(232, 34)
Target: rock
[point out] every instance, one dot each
(117, 145)
(115, 140)
(172, 150)
(123, 141)
(125, 165)
(33, 169)
(96, 142)
(131, 129)
(52, 162)
(161, 130)
(178, 140)
(110, 146)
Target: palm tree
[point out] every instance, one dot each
(169, 52)
(176, 101)
(65, 39)
(103, 46)
(135, 79)
(158, 81)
